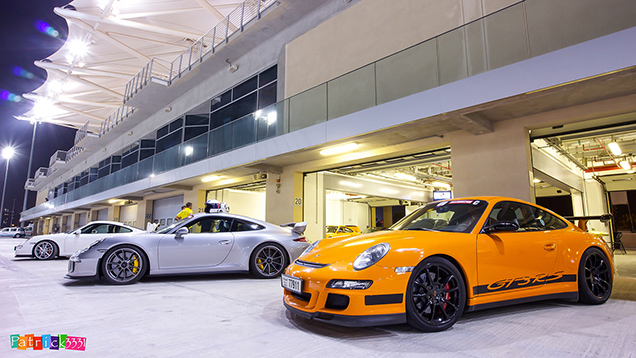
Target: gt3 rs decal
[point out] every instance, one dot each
(522, 282)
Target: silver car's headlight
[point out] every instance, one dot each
(310, 247)
(95, 243)
(371, 255)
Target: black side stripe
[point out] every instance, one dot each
(523, 282)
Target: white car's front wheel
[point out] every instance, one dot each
(45, 250)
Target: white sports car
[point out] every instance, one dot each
(46, 247)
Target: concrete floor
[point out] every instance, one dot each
(237, 316)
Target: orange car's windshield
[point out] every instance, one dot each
(450, 215)
(331, 229)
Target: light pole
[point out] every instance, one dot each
(7, 153)
(26, 192)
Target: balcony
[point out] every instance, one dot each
(30, 184)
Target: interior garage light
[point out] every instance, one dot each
(405, 176)
(210, 178)
(339, 149)
(536, 180)
(113, 201)
(441, 185)
(625, 165)
(615, 149)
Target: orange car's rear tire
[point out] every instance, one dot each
(436, 295)
(595, 277)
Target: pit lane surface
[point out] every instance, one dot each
(239, 316)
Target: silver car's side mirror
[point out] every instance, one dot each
(77, 233)
(181, 231)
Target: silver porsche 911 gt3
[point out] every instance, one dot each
(203, 243)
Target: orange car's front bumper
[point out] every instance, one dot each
(381, 303)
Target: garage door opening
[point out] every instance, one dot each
(374, 195)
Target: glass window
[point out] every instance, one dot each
(169, 141)
(191, 132)
(529, 218)
(267, 96)
(221, 117)
(176, 124)
(210, 224)
(452, 215)
(121, 229)
(220, 101)
(245, 106)
(197, 120)
(268, 76)
(240, 225)
(245, 88)
(163, 131)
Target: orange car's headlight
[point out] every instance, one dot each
(370, 256)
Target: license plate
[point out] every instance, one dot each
(292, 283)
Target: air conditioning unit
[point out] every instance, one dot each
(259, 176)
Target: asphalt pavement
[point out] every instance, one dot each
(239, 316)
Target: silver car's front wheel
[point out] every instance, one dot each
(45, 250)
(268, 261)
(124, 265)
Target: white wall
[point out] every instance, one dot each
(595, 204)
(128, 214)
(241, 202)
(342, 212)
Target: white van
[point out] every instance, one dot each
(12, 232)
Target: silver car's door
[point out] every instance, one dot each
(207, 244)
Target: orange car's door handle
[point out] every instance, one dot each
(549, 247)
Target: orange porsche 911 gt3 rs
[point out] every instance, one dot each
(446, 258)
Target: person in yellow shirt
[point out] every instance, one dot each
(186, 212)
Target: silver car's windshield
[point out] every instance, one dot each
(174, 224)
(451, 215)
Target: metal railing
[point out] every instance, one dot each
(166, 72)
(58, 156)
(115, 118)
(81, 133)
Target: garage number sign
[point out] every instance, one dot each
(298, 201)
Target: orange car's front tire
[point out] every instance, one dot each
(436, 295)
(595, 277)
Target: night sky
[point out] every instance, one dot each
(21, 43)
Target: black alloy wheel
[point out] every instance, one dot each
(45, 250)
(124, 265)
(268, 260)
(436, 295)
(595, 277)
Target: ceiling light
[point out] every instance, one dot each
(615, 149)
(536, 180)
(405, 176)
(210, 178)
(339, 149)
(625, 165)
(188, 150)
(441, 185)
(113, 201)
(630, 172)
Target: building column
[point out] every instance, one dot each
(497, 163)
(284, 197)
(314, 206)
(144, 213)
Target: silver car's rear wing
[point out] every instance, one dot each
(297, 228)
